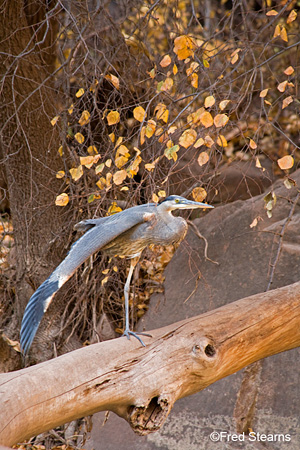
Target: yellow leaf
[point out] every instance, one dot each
(88, 161)
(54, 120)
(254, 223)
(283, 34)
(101, 183)
(209, 101)
(113, 117)
(252, 144)
(139, 113)
(221, 141)
(206, 119)
(194, 80)
(99, 168)
(263, 93)
(281, 87)
(79, 93)
(208, 142)
(119, 177)
(292, 16)
(289, 71)
(162, 194)
(85, 118)
(287, 101)
(60, 150)
(171, 152)
(193, 67)
(203, 158)
(150, 128)
(188, 138)
(150, 167)
(142, 136)
(161, 112)
(175, 69)
(166, 61)
(79, 138)
(155, 198)
(167, 84)
(223, 104)
(205, 63)
(199, 194)
(92, 150)
(277, 31)
(62, 199)
(172, 129)
(60, 174)
(135, 165)
(183, 47)
(104, 281)
(122, 156)
(112, 137)
(113, 79)
(199, 142)
(221, 120)
(76, 173)
(108, 163)
(272, 13)
(234, 58)
(71, 109)
(286, 162)
(195, 116)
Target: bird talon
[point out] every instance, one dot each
(129, 333)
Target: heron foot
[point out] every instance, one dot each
(129, 333)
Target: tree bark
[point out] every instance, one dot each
(29, 145)
(142, 384)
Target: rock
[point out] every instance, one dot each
(194, 285)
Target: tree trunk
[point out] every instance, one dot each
(142, 384)
(29, 145)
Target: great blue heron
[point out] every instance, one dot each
(126, 233)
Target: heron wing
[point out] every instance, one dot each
(100, 233)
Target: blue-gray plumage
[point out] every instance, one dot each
(126, 233)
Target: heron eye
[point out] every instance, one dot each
(176, 200)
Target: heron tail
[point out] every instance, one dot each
(34, 312)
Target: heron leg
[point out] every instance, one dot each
(128, 332)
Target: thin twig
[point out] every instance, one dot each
(200, 236)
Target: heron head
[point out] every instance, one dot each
(177, 202)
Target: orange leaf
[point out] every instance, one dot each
(208, 142)
(209, 101)
(272, 13)
(289, 71)
(119, 177)
(62, 199)
(223, 104)
(79, 138)
(139, 113)
(166, 61)
(194, 80)
(292, 16)
(277, 31)
(252, 144)
(76, 172)
(167, 84)
(113, 79)
(203, 158)
(85, 118)
(221, 120)
(79, 93)
(199, 194)
(286, 162)
(150, 128)
(287, 101)
(283, 34)
(199, 142)
(187, 138)
(206, 119)
(113, 117)
(183, 47)
(281, 87)
(221, 141)
(263, 93)
(60, 174)
(161, 112)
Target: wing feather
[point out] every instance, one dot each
(100, 233)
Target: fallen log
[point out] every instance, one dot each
(142, 384)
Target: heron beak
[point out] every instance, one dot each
(189, 204)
